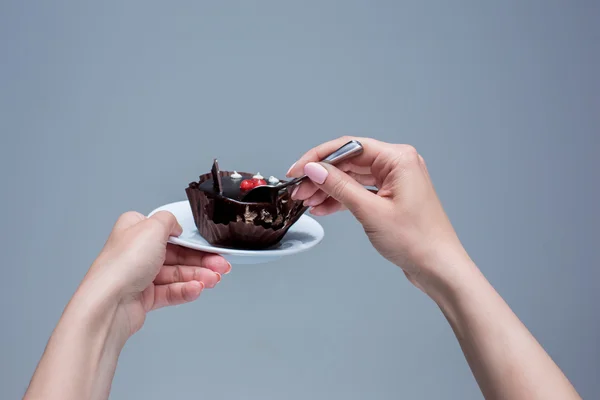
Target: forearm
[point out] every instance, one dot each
(506, 360)
(81, 356)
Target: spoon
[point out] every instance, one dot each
(268, 193)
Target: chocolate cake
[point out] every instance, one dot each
(223, 219)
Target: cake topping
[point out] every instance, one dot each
(230, 184)
(259, 182)
(273, 180)
(247, 184)
(216, 175)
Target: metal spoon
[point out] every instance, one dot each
(268, 193)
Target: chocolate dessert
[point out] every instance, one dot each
(223, 219)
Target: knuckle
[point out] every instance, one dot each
(408, 155)
(177, 274)
(410, 151)
(314, 155)
(129, 218)
(339, 188)
(169, 295)
(196, 274)
(128, 215)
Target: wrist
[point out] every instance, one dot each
(447, 273)
(94, 308)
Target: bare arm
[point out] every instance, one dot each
(136, 272)
(81, 356)
(505, 358)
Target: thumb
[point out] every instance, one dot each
(166, 223)
(341, 187)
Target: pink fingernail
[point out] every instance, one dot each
(316, 172)
(289, 170)
(294, 192)
(228, 270)
(218, 277)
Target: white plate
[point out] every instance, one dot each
(303, 235)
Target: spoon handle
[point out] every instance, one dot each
(349, 150)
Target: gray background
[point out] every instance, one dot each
(118, 105)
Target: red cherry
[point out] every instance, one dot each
(259, 182)
(247, 184)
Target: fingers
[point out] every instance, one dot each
(367, 180)
(176, 293)
(177, 255)
(182, 273)
(186, 273)
(308, 190)
(166, 223)
(327, 207)
(320, 196)
(372, 148)
(316, 199)
(342, 188)
(304, 190)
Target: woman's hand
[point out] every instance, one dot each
(144, 272)
(407, 225)
(136, 271)
(405, 221)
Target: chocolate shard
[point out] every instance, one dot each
(216, 175)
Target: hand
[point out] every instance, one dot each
(404, 221)
(136, 271)
(144, 272)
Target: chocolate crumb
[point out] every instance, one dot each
(278, 220)
(249, 216)
(266, 216)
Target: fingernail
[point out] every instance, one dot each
(179, 230)
(316, 172)
(218, 277)
(310, 202)
(294, 192)
(290, 170)
(228, 270)
(201, 285)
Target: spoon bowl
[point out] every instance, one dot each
(269, 193)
